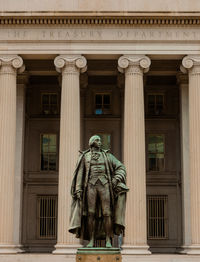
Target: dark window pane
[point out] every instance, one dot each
(107, 106)
(53, 99)
(45, 99)
(44, 162)
(54, 109)
(159, 99)
(152, 164)
(49, 104)
(98, 99)
(151, 99)
(106, 100)
(52, 162)
(155, 104)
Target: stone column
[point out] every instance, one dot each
(22, 81)
(135, 241)
(182, 80)
(83, 89)
(8, 72)
(192, 63)
(70, 66)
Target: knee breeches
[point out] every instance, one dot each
(103, 192)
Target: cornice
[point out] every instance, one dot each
(101, 21)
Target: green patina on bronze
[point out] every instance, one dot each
(99, 250)
(98, 195)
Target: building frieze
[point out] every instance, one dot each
(83, 34)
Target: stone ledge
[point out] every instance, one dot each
(72, 258)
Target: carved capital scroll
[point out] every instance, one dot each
(134, 64)
(192, 64)
(70, 64)
(10, 64)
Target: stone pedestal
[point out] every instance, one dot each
(135, 241)
(98, 254)
(8, 72)
(70, 66)
(192, 63)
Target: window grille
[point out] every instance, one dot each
(49, 152)
(155, 104)
(157, 217)
(102, 104)
(47, 217)
(156, 152)
(49, 103)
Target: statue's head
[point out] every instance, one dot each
(95, 141)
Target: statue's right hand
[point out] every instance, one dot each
(79, 195)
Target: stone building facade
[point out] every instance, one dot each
(128, 71)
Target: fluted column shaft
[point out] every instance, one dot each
(22, 81)
(192, 63)
(182, 80)
(8, 72)
(135, 240)
(70, 66)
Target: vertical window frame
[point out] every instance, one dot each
(49, 104)
(102, 94)
(155, 94)
(148, 153)
(48, 170)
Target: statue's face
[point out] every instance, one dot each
(97, 142)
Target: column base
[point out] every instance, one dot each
(66, 249)
(10, 249)
(193, 250)
(135, 250)
(183, 249)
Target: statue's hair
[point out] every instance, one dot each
(92, 139)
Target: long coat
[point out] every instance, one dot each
(78, 217)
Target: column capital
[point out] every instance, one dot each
(134, 63)
(70, 64)
(191, 63)
(9, 64)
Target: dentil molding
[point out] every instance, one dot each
(122, 21)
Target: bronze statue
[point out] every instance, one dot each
(98, 195)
